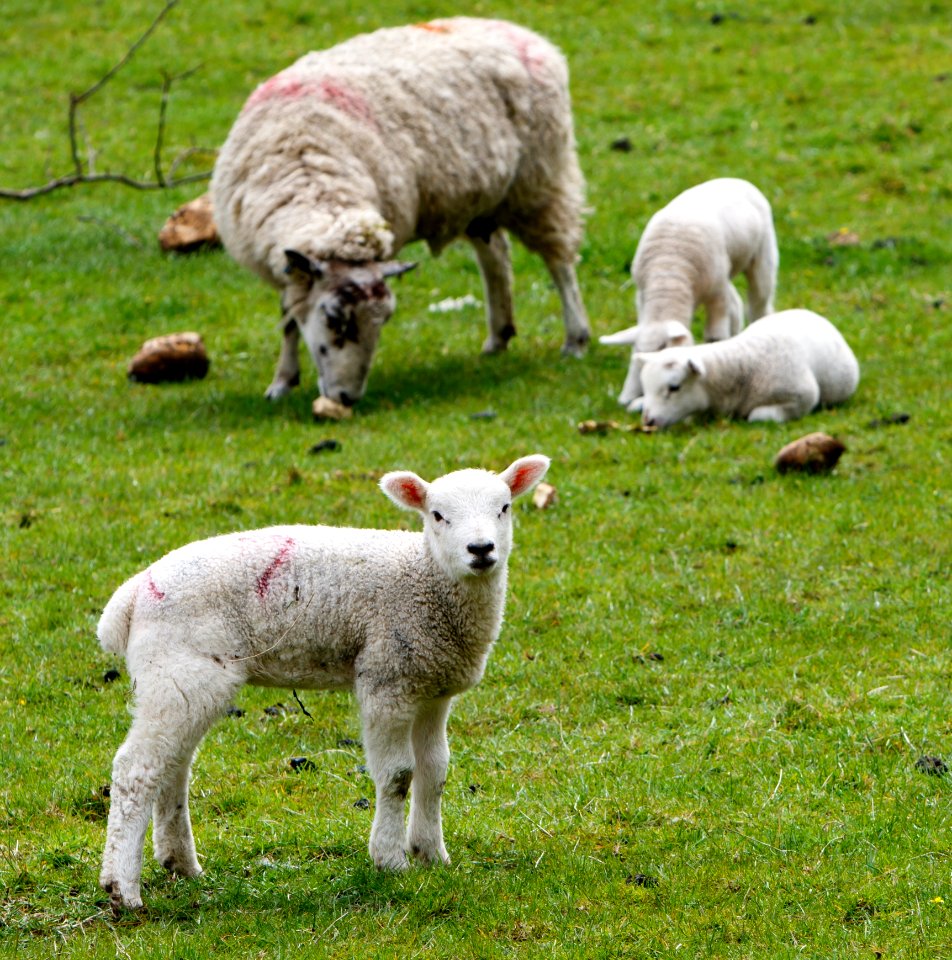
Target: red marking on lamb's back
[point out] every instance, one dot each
(290, 85)
(154, 592)
(531, 52)
(263, 583)
(432, 27)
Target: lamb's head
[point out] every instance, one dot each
(645, 338)
(673, 384)
(467, 515)
(340, 317)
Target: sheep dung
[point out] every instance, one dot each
(176, 356)
(544, 495)
(190, 228)
(324, 408)
(813, 453)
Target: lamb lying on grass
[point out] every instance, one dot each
(779, 368)
(686, 257)
(404, 619)
(454, 128)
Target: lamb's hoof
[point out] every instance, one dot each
(181, 867)
(118, 901)
(636, 405)
(576, 346)
(431, 858)
(396, 862)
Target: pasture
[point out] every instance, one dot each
(706, 729)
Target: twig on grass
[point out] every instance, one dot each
(86, 173)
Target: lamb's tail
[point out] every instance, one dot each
(116, 619)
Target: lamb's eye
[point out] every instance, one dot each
(674, 388)
(505, 509)
(437, 516)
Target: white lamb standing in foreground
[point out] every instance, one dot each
(688, 254)
(779, 368)
(406, 620)
(454, 128)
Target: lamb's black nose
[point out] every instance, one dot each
(481, 550)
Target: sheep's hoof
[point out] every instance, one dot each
(575, 347)
(277, 390)
(493, 345)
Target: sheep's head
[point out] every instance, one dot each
(467, 514)
(673, 384)
(341, 314)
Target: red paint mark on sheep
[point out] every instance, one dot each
(263, 583)
(154, 592)
(289, 85)
(529, 48)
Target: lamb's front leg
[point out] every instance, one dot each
(390, 761)
(431, 754)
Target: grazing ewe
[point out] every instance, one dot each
(453, 128)
(404, 619)
(686, 257)
(779, 368)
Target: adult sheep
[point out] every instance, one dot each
(406, 620)
(459, 127)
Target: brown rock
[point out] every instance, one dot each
(324, 408)
(544, 495)
(191, 227)
(177, 356)
(814, 453)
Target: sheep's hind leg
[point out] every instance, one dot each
(431, 756)
(172, 837)
(495, 265)
(172, 714)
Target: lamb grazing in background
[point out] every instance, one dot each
(404, 619)
(454, 128)
(686, 258)
(779, 368)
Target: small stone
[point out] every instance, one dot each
(234, 711)
(894, 419)
(813, 453)
(325, 445)
(191, 227)
(843, 238)
(643, 880)
(110, 676)
(544, 495)
(622, 145)
(362, 804)
(170, 358)
(597, 426)
(324, 408)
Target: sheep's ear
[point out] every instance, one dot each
(641, 359)
(405, 489)
(525, 473)
(304, 268)
(676, 334)
(696, 367)
(396, 268)
(624, 338)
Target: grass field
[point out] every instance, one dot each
(699, 732)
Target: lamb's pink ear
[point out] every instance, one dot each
(405, 489)
(525, 473)
(677, 334)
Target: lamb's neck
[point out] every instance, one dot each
(666, 294)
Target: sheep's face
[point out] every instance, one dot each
(342, 313)
(467, 515)
(673, 385)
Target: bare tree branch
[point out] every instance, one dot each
(80, 174)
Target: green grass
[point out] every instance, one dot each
(711, 676)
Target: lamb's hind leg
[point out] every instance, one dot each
(495, 265)
(761, 282)
(172, 837)
(172, 714)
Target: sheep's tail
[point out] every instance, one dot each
(116, 619)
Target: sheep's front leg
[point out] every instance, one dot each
(390, 761)
(495, 266)
(288, 372)
(725, 315)
(431, 755)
